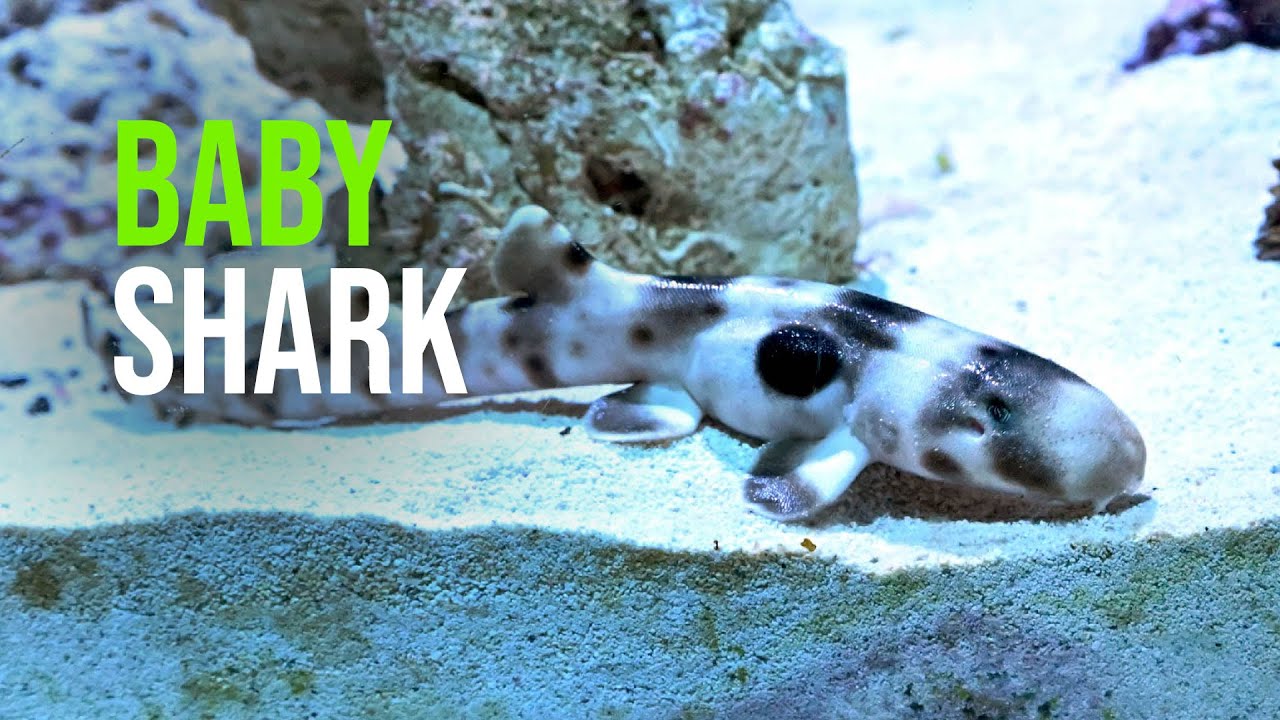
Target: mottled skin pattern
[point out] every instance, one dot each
(832, 378)
(1199, 27)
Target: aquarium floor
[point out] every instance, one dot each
(500, 564)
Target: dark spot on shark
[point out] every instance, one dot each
(453, 321)
(1021, 462)
(180, 370)
(886, 310)
(868, 320)
(942, 465)
(706, 282)
(1012, 361)
(954, 399)
(779, 458)
(577, 349)
(641, 334)
(797, 360)
(682, 307)
(940, 417)
(577, 258)
(519, 303)
(539, 372)
(360, 299)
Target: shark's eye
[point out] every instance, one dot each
(998, 410)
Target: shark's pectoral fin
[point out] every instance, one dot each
(644, 412)
(793, 479)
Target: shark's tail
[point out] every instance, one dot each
(549, 332)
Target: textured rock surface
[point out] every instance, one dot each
(690, 137)
(703, 138)
(1199, 27)
(313, 48)
(16, 15)
(68, 78)
(1268, 241)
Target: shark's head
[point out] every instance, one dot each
(1011, 420)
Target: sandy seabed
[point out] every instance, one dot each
(493, 565)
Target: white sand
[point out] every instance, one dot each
(1101, 219)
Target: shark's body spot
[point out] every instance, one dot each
(706, 282)
(797, 360)
(577, 258)
(577, 349)
(713, 309)
(641, 335)
(360, 301)
(1012, 360)
(885, 311)
(777, 459)
(111, 345)
(518, 303)
(681, 307)
(873, 322)
(539, 372)
(942, 464)
(1022, 463)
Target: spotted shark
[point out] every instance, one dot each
(832, 379)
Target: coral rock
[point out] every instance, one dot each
(69, 73)
(705, 137)
(1199, 27)
(313, 48)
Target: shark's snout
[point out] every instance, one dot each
(1102, 448)
(1120, 465)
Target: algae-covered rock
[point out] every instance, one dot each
(707, 137)
(67, 78)
(677, 137)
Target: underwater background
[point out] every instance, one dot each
(991, 163)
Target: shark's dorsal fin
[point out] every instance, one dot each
(538, 257)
